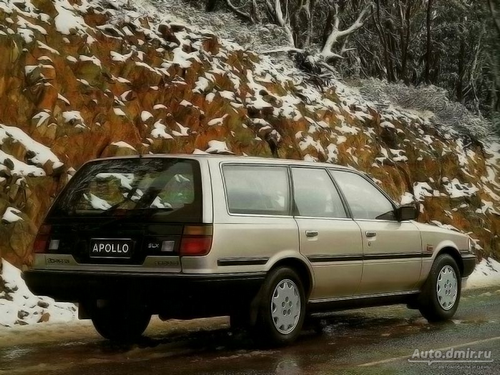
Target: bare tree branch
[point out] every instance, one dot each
(281, 17)
(337, 34)
(250, 16)
(283, 49)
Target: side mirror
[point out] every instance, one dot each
(407, 212)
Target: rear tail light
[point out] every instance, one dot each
(196, 245)
(196, 240)
(42, 239)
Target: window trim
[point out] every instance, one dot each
(291, 192)
(371, 182)
(339, 192)
(226, 196)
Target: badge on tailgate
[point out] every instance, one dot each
(111, 248)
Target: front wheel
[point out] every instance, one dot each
(118, 322)
(282, 307)
(440, 294)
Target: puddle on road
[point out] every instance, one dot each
(351, 329)
(15, 353)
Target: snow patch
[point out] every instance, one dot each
(122, 144)
(73, 116)
(217, 147)
(42, 153)
(19, 306)
(145, 116)
(422, 190)
(217, 121)
(159, 131)
(11, 215)
(20, 168)
(67, 19)
(486, 274)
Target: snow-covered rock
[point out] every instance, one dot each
(19, 306)
(486, 274)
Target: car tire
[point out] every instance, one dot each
(282, 308)
(440, 295)
(117, 322)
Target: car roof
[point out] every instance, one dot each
(230, 158)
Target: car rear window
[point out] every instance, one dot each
(168, 187)
(258, 190)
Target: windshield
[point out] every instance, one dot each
(171, 187)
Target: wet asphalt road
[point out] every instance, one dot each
(372, 341)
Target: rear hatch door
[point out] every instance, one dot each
(127, 212)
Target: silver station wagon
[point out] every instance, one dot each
(265, 241)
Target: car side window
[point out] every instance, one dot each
(364, 199)
(255, 189)
(315, 194)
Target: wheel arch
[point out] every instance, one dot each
(454, 253)
(301, 268)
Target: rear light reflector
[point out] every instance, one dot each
(42, 239)
(54, 244)
(167, 246)
(195, 245)
(198, 230)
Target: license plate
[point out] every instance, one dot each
(111, 248)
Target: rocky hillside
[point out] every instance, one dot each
(81, 79)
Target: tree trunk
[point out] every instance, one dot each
(429, 43)
(383, 41)
(496, 19)
(211, 5)
(328, 25)
(461, 58)
(405, 42)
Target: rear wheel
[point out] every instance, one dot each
(281, 310)
(119, 322)
(440, 294)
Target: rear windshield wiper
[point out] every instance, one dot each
(127, 198)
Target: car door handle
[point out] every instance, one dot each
(311, 233)
(371, 234)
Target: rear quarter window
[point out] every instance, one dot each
(258, 190)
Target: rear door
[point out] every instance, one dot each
(392, 250)
(328, 237)
(253, 224)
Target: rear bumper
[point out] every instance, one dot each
(469, 262)
(215, 292)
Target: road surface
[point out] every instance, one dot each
(364, 341)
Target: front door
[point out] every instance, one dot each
(328, 237)
(392, 250)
